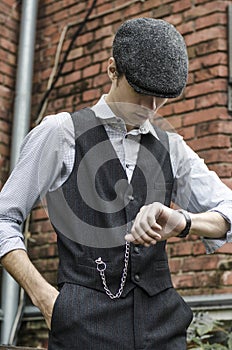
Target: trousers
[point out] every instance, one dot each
(86, 319)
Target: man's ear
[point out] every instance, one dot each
(111, 69)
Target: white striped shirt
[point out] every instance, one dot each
(47, 157)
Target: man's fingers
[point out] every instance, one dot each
(145, 229)
(143, 240)
(142, 234)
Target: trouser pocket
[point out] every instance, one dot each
(58, 308)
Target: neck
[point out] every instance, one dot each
(122, 109)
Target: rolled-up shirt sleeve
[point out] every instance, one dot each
(41, 167)
(225, 209)
(197, 189)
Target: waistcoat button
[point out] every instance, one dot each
(137, 278)
(131, 198)
(136, 250)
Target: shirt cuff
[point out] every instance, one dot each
(10, 244)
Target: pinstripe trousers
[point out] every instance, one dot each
(87, 319)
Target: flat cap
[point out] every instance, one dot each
(153, 56)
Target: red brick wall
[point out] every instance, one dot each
(200, 114)
(9, 28)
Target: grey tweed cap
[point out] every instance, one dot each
(153, 56)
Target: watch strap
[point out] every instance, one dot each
(185, 231)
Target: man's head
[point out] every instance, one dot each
(152, 55)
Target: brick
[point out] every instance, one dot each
(214, 156)
(68, 67)
(200, 263)
(163, 11)
(214, 99)
(93, 24)
(39, 214)
(180, 281)
(100, 80)
(91, 71)
(223, 170)
(206, 279)
(167, 109)
(101, 56)
(170, 123)
(207, 142)
(211, 46)
(215, 127)
(82, 62)
(107, 43)
(106, 88)
(205, 87)
(4, 126)
(113, 17)
(184, 106)
(210, 20)
(104, 7)
(226, 249)
(175, 19)
(92, 47)
(133, 10)
(210, 73)
(43, 251)
(46, 265)
(186, 28)
(4, 138)
(205, 9)
(181, 5)
(85, 38)
(58, 105)
(75, 53)
(187, 132)
(4, 150)
(205, 35)
(43, 226)
(72, 77)
(90, 95)
(198, 248)
(103, 31)
(208, 61)
(204, 115)
(180, 249)
(175, 265)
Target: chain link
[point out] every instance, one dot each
(101, 267)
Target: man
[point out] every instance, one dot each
(110, 178)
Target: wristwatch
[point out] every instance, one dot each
(185, 231)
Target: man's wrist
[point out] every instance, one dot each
(184, 233)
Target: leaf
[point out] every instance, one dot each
(204, 328)
(229, 341)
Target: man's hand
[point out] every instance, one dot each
(42, 294)
(47, 304)
(155, 222)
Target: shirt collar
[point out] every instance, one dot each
(103, 111)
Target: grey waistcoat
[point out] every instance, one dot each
(96, 205)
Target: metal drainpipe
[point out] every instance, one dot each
(21, 124)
